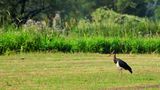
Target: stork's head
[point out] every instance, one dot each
(113, 52)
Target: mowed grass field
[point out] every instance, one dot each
(78, 71)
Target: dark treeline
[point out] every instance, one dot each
(19, 11)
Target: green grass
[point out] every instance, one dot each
(19, 41)
(78, 71)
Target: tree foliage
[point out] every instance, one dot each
(19, 11)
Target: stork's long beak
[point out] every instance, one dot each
(111, 53)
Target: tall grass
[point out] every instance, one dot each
(19, 41)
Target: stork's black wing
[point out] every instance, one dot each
(124, 65)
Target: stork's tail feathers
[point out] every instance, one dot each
(130, 70)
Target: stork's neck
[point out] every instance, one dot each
(114, 59)
(114, 56)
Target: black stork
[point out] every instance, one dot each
(121, 64)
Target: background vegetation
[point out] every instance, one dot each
(129, 26)
(19, 11)
(31, 42)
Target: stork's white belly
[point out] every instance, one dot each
(119, 67)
